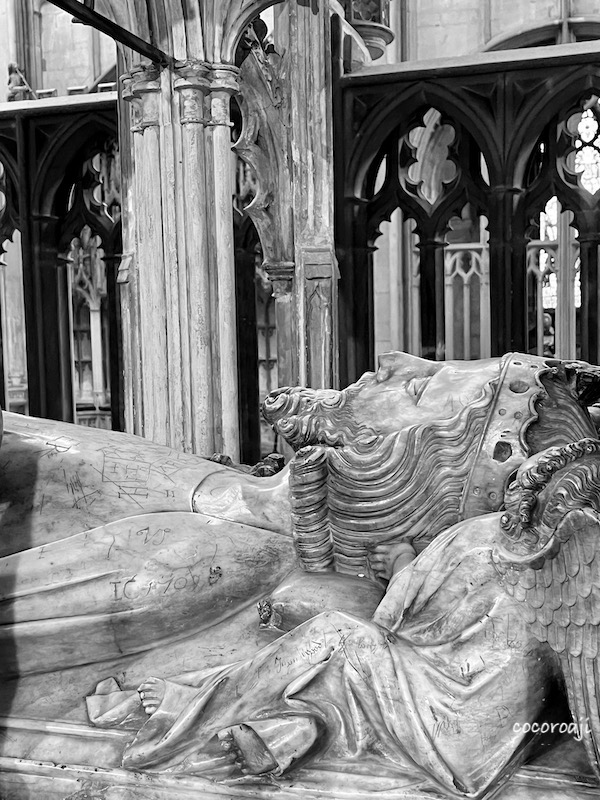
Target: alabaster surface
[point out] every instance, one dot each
(409, 609)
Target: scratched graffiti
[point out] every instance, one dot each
(125, 469)
(56, 447)
(153, 536)
(61, 444)
(135, 589)
(82, 497)
(167, 467)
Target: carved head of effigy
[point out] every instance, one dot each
(418, 445)
(406, 390)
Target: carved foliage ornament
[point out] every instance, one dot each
(427, 167)
(263, 145)
(89, 275)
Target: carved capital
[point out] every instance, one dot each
(320, 263)
(141, 87)
(281, 274)
(192, 84)
(223, 84)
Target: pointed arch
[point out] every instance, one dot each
(77, 137)
(405, 109)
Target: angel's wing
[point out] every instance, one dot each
(559, 590)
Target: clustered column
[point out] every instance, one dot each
(305, 36)
(223, 85)
(142, 87)
(182, 274)
(197, 364)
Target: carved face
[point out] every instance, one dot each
(405, 391)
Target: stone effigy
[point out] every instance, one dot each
(434, 683)
(411, 652)
(108, 560)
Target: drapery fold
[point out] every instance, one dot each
(433, 685)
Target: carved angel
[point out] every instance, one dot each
(550, 563)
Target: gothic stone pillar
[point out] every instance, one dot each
(305, 38)
(142, 87)
(186, 392)
(197, 365)
(220, 189)
(281, 275)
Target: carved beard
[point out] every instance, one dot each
(405, 485)
(309, 416)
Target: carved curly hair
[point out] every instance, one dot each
(579, 486)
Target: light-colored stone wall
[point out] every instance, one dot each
(585, 7)
(72, 54)
(446, 27)
(7, 44)
(507, 15)
(68, 51)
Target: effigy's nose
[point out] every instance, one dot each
(387, 359)
(402, 361)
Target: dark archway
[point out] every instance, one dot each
(57, 195)
(247, 249)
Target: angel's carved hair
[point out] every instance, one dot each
(581, 486)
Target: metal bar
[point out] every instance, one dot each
(116, 32)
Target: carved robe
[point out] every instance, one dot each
(100, 555)
(433, 685)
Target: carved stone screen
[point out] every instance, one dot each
(495, 168)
